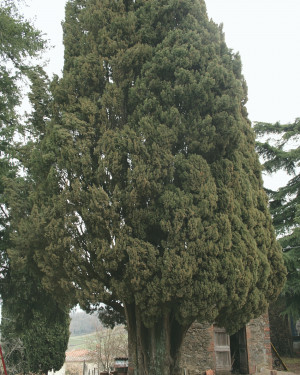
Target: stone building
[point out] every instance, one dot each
(209, 347)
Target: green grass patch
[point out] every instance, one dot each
(82, 341)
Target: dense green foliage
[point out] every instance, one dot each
(146, 189)
(33, 316)
(46, 341)
(281, 152)
(34, 328)
(35, 339)
(19, 42)
(38, 319)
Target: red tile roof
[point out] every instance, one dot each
(79, 355)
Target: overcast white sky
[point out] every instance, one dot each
(266, 33)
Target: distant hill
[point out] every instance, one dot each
(83, 323)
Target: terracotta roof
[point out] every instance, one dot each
(79, 355)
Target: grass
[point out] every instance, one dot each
(81, 341)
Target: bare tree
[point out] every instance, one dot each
(13, 356)
(109, 344)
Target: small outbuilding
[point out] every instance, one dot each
(207, 347)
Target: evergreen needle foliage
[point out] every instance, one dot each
(147, 191)
(281, 152)
(19, 42)
(34, 331)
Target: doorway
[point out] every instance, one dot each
(239, 352)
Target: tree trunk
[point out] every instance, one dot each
(154, 350)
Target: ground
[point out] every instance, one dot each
(293, 364)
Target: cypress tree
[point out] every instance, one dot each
(281, 152)
(35, 329)
(33, 317)
(19, 42)
(153, 199)
(46, 340)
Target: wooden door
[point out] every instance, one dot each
(222, 349)
(244, 368)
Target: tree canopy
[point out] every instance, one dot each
(146, 189)
(36, 337)
(281, 152)
(35, 316)
(19, 41)
(31, 314)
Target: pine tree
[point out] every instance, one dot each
(148, 193)
(282, 153)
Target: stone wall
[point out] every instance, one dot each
(259, 345)
(198, 349)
